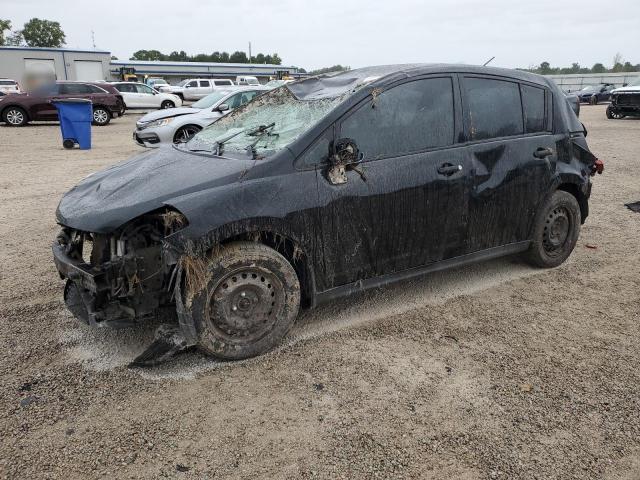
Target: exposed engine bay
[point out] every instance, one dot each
(122, 278)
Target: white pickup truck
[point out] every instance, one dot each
(197, 88)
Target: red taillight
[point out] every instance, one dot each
(597, 167)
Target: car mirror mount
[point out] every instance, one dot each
(343, 155)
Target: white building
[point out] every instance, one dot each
(95, 65)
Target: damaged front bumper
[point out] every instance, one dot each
(113, 282)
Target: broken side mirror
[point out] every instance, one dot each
(344, 154)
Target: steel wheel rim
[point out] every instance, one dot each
(166, 105)
(556, 231)
(245, 305)
(15, 117)
(185, 134)
(100, 116)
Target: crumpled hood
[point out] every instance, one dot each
(105, 200)
(166, 113)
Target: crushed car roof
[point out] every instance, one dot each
(338, 84)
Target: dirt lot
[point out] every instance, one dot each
(493, 371)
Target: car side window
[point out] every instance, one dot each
(247, 96)
(126, 88)
(234, 101)
(533, 105)
(205, 83)
(404, 119)
(494, 108)
(74, 89)
(318, 152)
(95, 89)
(192, 83)
(144, 89)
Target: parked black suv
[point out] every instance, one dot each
(322, 188)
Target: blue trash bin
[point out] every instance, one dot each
(75, 115)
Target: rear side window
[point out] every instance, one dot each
(222, 82)
(204, 83)
(533, 104)
(95, 89)
(408, 118)
(74, 88)
(494, 108)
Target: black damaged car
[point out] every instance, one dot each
(319, 189)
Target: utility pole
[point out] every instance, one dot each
(249, 52)
(93, 39)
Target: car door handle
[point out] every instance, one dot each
(543, 152)
(448, 169)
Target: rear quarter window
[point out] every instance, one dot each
(533, 105)
(494, 108)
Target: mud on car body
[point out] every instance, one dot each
(324, 187)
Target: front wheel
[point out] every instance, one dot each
(247, 303)
(167, 104)
(185, 133)
(15, 117)
(593, 100)
(101, 116)
(555, 231)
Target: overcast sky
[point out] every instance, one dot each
(353, 32)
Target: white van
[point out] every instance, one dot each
(9, 86)
(247, 80)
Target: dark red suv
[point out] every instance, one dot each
(18, 109)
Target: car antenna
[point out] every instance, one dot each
(488, 61)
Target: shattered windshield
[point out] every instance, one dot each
(263, 126)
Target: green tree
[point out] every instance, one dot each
(4, 25)
(544, 68)
(628, 67)
(43, 33)
(238, 57)
(148, 55)
(598, 68)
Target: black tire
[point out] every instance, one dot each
(185, 132)
(15, 117)
(68, 143)
(101, 116)
(250, 301)
(556, 231)
(611, 115)
(167, 104)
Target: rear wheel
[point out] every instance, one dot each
(556, 231)
(167, 104)
(185, 133)
(101, 116)
(249, 302)
(15, 117)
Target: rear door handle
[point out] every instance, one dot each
(543, 152)
(448, 169)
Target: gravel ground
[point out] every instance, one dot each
(492, 371)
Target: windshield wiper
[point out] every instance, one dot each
(260, 132)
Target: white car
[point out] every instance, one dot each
(8, 86)
(139, 95)
(180, 124)
(197, 88)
